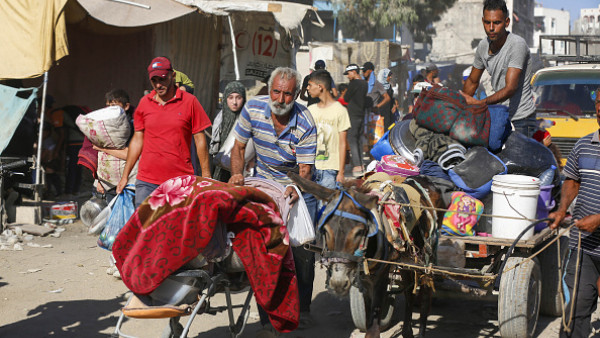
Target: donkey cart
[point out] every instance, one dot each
(522, 285)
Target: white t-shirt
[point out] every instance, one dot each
(330, 122)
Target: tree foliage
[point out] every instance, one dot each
(361, 18)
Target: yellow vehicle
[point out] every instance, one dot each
(565, 95)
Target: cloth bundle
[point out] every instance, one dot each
(445, 111)
(437, 147)
(106, 128)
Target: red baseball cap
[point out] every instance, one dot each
(160, 66)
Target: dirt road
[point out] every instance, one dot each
(64, 291)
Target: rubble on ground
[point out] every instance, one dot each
(17, 237)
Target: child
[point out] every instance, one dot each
(333, 122)
(111, 160)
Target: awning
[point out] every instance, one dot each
(134, 13)
(289, 15)
(34, 37)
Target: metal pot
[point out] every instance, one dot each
(91, 209)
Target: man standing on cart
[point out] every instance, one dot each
(506, 57)
(583, 265)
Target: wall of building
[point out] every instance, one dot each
(458, 32)
(522, 18)
(589, 21)
(550, 21)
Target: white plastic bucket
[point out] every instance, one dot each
(515, 196)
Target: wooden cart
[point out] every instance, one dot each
(522, 292)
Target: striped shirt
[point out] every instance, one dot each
(583, 165)
(277, 154)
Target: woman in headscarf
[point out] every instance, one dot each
(234, 96)
(384, 77)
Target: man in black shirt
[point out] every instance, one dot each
(354, 100)
(320, 64)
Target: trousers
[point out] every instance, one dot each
(586, 297)
(355, 140)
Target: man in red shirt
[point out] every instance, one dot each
(165, 121)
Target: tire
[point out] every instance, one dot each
(519, 298)
(359, 303)
(173, 330)
(551, 279)
(388, 311)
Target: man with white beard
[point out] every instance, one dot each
(285, 139)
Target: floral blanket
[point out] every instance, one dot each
(176, 222)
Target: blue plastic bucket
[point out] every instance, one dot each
(382, 147)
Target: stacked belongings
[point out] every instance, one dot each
(178, 221)
(461, 148)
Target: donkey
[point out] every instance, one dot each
(348, 232)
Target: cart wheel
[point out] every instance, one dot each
(173, 330)
(519, 298)
(551, 280)
(388, 310)
(359, 303)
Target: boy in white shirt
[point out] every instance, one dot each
(333, 122)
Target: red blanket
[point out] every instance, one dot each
(88, 157)
(176, 222)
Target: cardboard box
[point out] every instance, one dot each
(64, 210)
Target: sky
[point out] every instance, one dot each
(573, 6)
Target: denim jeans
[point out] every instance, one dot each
(526, 126)
(326, 178)
(142, 190)
(305, 267)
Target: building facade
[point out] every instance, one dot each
(550, 21)
(460, 29)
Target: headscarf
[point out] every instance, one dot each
(229, 117)
(382, 78)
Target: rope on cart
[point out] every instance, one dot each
(456, 211)
(432, 269)
(488, 278)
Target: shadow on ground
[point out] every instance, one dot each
(336, 319)
(77, 318)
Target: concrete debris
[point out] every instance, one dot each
(15, 238)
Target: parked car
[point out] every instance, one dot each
(565, 94)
